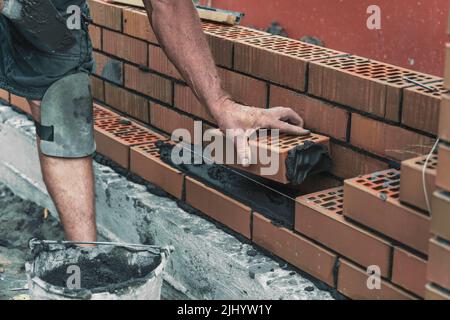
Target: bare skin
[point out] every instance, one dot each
(70, 183)
(179, 31)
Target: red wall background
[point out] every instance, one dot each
(412, 35)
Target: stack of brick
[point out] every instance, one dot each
(371, 115)
(438, 274)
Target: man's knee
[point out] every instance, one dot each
(65, 123)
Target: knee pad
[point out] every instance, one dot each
(67, 122)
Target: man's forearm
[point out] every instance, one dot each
(179, 32)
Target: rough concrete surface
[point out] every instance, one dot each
(208, 262)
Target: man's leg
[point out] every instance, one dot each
(70, 183)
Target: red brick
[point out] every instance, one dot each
(106, 14)
(411, 184)
(145, 162)
(279, 150)
(440, 222)
(218, 206)
(409, 271)
(115, 136)
(169, 120)
(98, 89)
(221, 39)
(443, 167)
(4, 95)
(447, 65)
(159, 62)
(244, 89)
(186, 101)
(148, 83)
(95, 33)
(435, 293)
(127, 102)
(348, 163)
(295, 249)
(125, 47)
(277, 59)
(444, 118)
(20, 103)
(366, 85)
(319, 116)
(352, 283)
(421, 107)
(372, 200)
(439, 263)
(319, 217)
(101, 112)
(108, 68)
(137, 24)
(388, 140)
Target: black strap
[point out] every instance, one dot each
(44, 132)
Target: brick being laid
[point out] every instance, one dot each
(295, 249)
(352, 282)
(222, 40)
(409, 271)
(290, 158)
(440, 207)
(444, 118)
(411, 183)
(278, 59)
(101, 112)
(439, 263)
(366, 85)
(443, 167)
(421, 107)
(319, 217)
(373, 201)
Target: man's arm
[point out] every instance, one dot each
(179, 32)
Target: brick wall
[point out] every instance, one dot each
(371, 115)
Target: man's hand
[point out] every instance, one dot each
(244, 120)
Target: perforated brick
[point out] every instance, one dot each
(319, 217)
(411, 185)
(439, 263)
(373, 201)
(278, 59)
(440, 222)
(115, 136)
(421, 107)
(222, 39)
(363, 84)
(102, 112)
(409, 271)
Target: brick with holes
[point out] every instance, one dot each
(421, 107)
(319, 217)
(295, 249)
(352, 282)
(137, 24)
(115, 136)
(386, 140)
(409, 271)
(439, 263)
(366, 85)
(440, 222)
(373, 201)
(278, 59)
(433, 292)
(443, 167)
(101, 112)
(290, 159)
(222, 38)
(444, 118)
(411, 183)
(106, 14)
(145, 161)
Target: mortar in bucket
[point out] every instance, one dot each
(63, 271)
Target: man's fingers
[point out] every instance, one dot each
(290, 128)
(287, 114)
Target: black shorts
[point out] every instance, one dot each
(33, 55)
